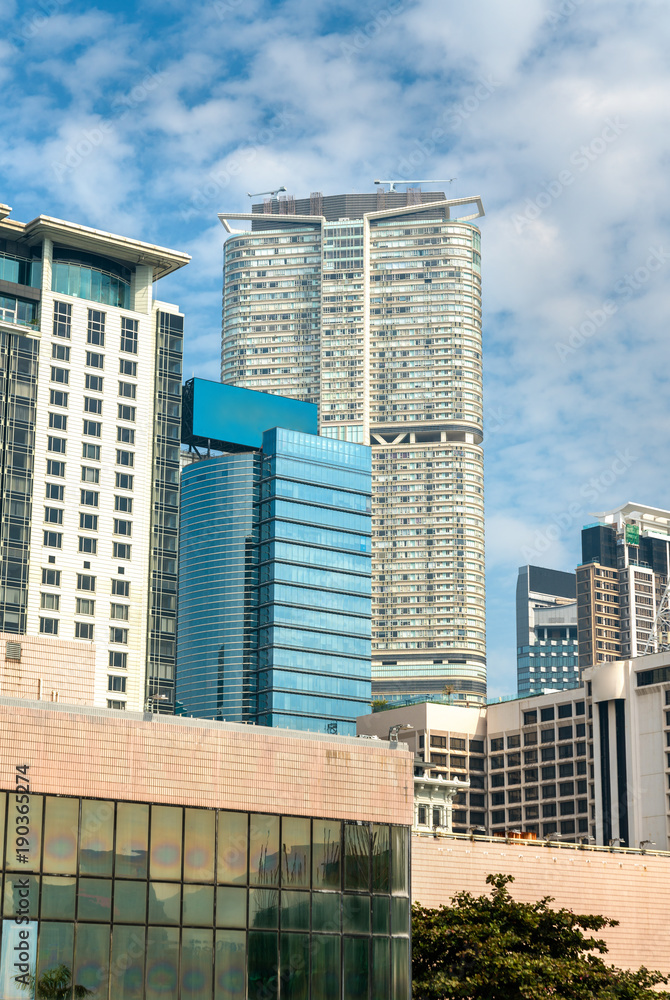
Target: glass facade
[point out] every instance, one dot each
(91, 283)
(152, 901)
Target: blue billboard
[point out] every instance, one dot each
(228, 418)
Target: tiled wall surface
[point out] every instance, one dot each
(50, 669)
(633, 889)
(117, 755)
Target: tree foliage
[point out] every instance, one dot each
(494, 948)
(56, 984)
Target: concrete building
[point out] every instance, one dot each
(546, 630)
(172, 857)
(370, 306)
(90, 410)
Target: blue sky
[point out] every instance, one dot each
(147, 119)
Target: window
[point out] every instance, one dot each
(54, 491)
(123, 503)
(128, 368)
(49, 626)
(85, 606)
(94, 382)
(456, 761)
(497, 798)
(579, 708)
(565, 751)
(423, 815)
(60, 375)
(532, 812)
(497, 762)
(565, 711)
(529, 718)
(89, 522)
(514, 796)
(547, 735)
(530, 756)
(51, 577)
(567, 808)
(84, 630)
(55, 468)
(116, 704)
(56, 445)
(90, 475)
(89, 545)
(125, 434)
(92, 405)
(497, 780)
(439, 741)
(60, 352)
(58, 420)
(565, 770)
(568, 827)
(121, 588)
(440, 759)
(548, 753)
(53, 515)
(581, 750)
(530, 775)
(126, 412)
(456, 744)
(85, 582)
(129, 335)
(566, 788)
(565, 732)
(53, 539)
(547, 714)
(57, 398)
(121, 550)
(497, 744)
(119, 612)
(50, 602)
(476, 746)
(548, 773)
(549, 809)
(128, 389)
(514, 777)
(124, 481)
(580, 729)
(89, 498)
(125, 458)
(95, 360)
(96, 328)
(513, 759)
(119, 635)
(123, 527)
(513, 741)
(118, 660)
(549, 791)
(93, 428)
(498, 816)
(62, 319)
(476, 764)
(514, 815)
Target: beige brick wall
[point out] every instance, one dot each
(190, 762)
(50, 669)
(631, 888)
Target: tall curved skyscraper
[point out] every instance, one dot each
(370, 306)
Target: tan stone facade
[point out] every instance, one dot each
(630, 887)
(46, 669)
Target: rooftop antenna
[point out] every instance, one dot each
(272, 194)
(392, 184)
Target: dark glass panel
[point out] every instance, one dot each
(11, 896)
(294, 973)
(381, 859)
(28, 824)
(356, 914)
(356, 856)
(326, 911)
(326, 853)
(262, 966)
(381, 923)
(58, 898)
(356, 967)
(326, 966)
(232, 848)
(381, 969)
(400, 967)
(91, 958)
(164, 903)
(166, 833)
(94, 899)
(295, 911)
(127, 968)
(196, 963)
(400, 860)
(61, 824)
(264, 850)
(162, 981)
(198, 906)
(55, 946)
(263, 908)
(231, 907)
(230, 965)
(96, 842)
(199, 838)
(295, 853)
(130, 902)
(400, 915)
(132, 840)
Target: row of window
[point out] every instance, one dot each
(124, 480)
(58, 421)
(84, 606)
(84, 630)
(61, 376)
(59, 398)
(54, 515)
(95, 332)
(531, 775)
(54, 540)
(565, 788)
(85, 582)
(61, 352)
(55, 491)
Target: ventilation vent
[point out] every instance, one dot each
(13, 651)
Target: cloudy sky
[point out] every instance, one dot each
(147, 119)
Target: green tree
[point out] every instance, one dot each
(378, 704)
(494, 948)
(56, 984)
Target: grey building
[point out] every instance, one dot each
(546, 630)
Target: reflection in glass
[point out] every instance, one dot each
(400, 915)
(295, 852)
(130, 902)
(380, 915)
(166, 823)
(264, 850)
(162, 963)
(55, 946)
(132, 839)
(381, 969)
(356, 914)
(295, 911)
(263, 908)
(326, 911)
(95, 899)
(230, 965)
(127, 963)
(61, 824)
(198, 906)
(232, 848)
(262, 964)
(326, 854)
(91, 957)
(196, 963)
(400, 966)
(58, 897)
(400, 860)
(96, 838)
(326, 966)
(28, 824)
(356, 965)
(231, 907)
(164, 902)
(294, 971)
(199, 835)
(381, 859)
(356, 856)
(10, 906)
